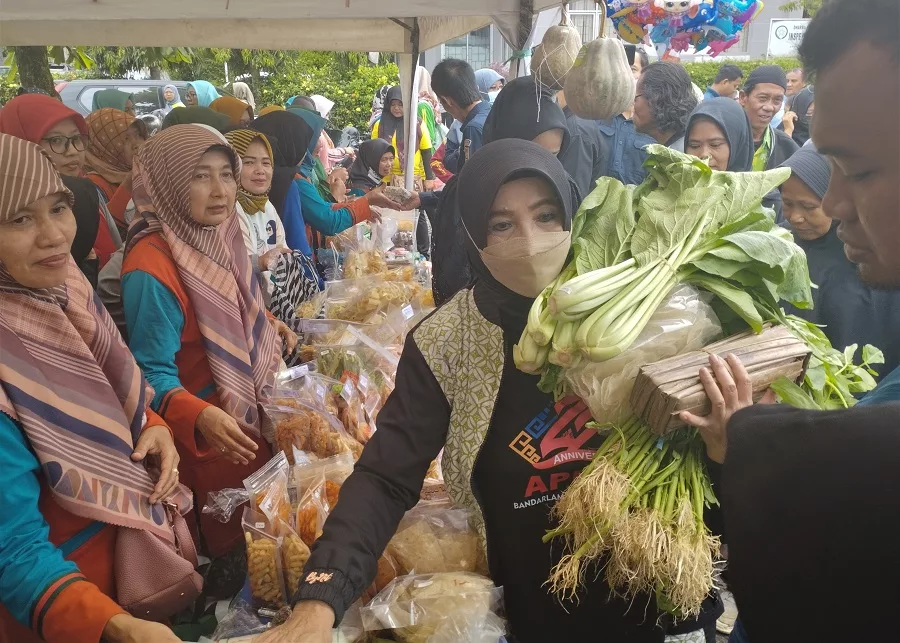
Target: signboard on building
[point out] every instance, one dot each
(785, 36)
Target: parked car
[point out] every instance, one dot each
(147, 95)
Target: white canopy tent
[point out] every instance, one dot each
(405, 27)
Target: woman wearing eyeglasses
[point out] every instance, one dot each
(62, 133)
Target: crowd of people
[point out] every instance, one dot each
(141, 340)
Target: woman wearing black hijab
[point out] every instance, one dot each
(519, 112)
(373, 162)
(718, 132)
(523, 111)
(508, 448)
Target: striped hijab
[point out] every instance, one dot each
(105, 154)
(241, 139)
(66, 376)
(241, 345)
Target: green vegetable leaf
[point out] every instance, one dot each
(791, 394)
(594, 201)
(658, 232)
(815, 375)
(864, 382)
(872, 355)
(606, 236)
(736, 299)
(849, 352)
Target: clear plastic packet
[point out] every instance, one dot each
(335, 470)
(312, 512)
(309, 429)
(275, 504)
(311, 308)
(258, 483)
(425, 608)
(241, 620)
(361, 300)
(434, 537)
(322, 331)
(388, 569)
(396, 234)
(684, 322)
(221, 505)
(263, 561)
(294, 554)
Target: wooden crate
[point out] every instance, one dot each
(665, 388)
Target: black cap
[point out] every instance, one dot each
(766, 74)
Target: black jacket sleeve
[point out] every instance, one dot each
(386, 482)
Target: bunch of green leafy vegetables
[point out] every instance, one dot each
(731, 248)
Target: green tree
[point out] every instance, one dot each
(810, 7)
(115, 62)
(31, 65)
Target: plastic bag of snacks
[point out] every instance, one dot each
(263, 561)
(318, 486)
(294, 554)
(434, 537)
(438, 608)
(312, 308)
(309, 429)
(361, 300)
(259, 484)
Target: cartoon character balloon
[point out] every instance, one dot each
(677, 25)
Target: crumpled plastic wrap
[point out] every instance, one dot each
(438, 608)
(684, 322)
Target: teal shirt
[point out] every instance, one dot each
(29, 562)
(888, 390)
(318, 214)
(155, 323)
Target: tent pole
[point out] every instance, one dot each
(412, 109)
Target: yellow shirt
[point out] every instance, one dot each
(424, 144)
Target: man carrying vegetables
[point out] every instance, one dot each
(809, 497)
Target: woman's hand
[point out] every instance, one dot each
(267, 261)
(337, 183)
(377, 198)
(429, 184)
(790, 118)
(124, 628)
(157, 441)
(290, 337)
(729, 390)
(310, 622)
(222, 433)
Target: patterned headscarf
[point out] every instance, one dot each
(241, 345)
(67, 378)
(241, 139)
(105, 154)
(231, 107)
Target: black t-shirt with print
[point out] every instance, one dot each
(534, 448)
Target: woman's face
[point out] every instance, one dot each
(551, 140)
(524, 208)
(133, 142)
(256, 171)
(35, 243)
(386, 164)
(397, 108)
(213, 189)
(190, 96)
(706, 140)
(245, 117)
(496, 87)
(169, 95)
(64, 144)
(803, 210)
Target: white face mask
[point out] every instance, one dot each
(492, 96)
(528, 265)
